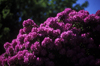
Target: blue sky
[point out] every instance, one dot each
(93, 6)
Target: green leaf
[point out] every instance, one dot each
(5, 12)
(73, 25)
(85, 4)
(50, 11)
(44, 4)
(0, 25)
(5, 65)
(6, 30)
(0, 36)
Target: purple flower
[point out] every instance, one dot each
(20, 38)
(62, 51)
(83, 14)
(60, 26)
(83, 35)
(67, 10)
(83, 50)
(93, 63)
(51, 55)
(58, 43)
(97, 28)
(67, 26)
(63, 13)
(59, 15)
(12, 60)
(83, 11)
(86, 20)
(26, 60)
(27, 45)
(39, 61)
(36, 48)
(50, 46)
(87, 59)
(33, 35)
(7, 45)
(90, 57)
(24, 52)
(42, 31)
(21, 31)
(30, 56)
(90, 18)
(82, 61)
(30, 36)
(56, 32)
(77, 18)
(43, 24)
(46, 41)
(66, 34)
(73, 41)
(85, 40)
(97, 62)
(1, 60)
(74, 59)
(90, 46)
(70, 53)
(72, 13)
(34, 29)
(67, 20)
(46, 23)
(20, 52)
(76, 64)
(46, 59)
(28, 22)
(17, 47)
(34, 58)
(21, 47)
(43, 52)
(76, 30)
(77, 48)
(99, 46)
(98, 13)
(4, 61)
(32, 47)
(37, 44)
(52, 23)
(50, 63)
(27, 29)
(20, 56)
(27, 38)
(14, 42)
(49, 31)
(10, 50)
(97, 18)
(80, 55)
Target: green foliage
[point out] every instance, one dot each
(6, 30)
(38, 10)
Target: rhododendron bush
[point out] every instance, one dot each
(70, 38)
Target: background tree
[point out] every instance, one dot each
(13, 12)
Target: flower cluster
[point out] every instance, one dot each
(71, 38)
